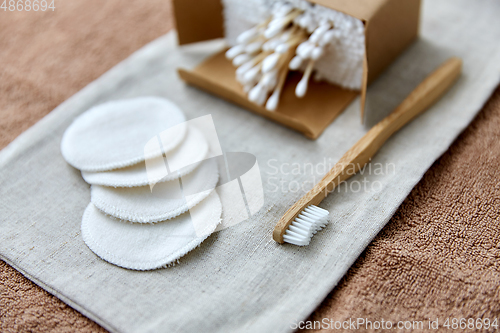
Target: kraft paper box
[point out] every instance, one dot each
(389, 27)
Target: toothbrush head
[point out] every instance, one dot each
(305, 225)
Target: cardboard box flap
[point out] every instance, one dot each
(309, 115)
(364, 87)
(387, 34)
(198, 20)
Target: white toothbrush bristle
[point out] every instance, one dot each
(306, 224)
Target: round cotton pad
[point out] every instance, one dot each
(149, 246)
(188, 155)
(165, 201)
(115, 134)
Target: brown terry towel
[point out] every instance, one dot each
(438, 256)
(45, 58)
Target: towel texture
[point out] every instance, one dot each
(87, 44)
(49, 56)
(439, 256)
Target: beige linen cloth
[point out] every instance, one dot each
(254, 283)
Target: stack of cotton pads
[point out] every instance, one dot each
(140, 218)
(271, 37)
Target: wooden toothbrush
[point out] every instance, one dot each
(303, 219)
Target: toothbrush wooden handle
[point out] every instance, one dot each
(423, 96)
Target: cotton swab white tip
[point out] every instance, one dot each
(273, 30)
(301, 47)
(295, 63)
(277, 21)
(306, 224)
(270, 79)
(234, 51)
(305, 51)
(301, 89)
(282, 48)
(271, 44)
(317, 52)
(328, 37)
(305, 21)
(312, 26)
(253, 47)
(324, 26)
(254, 93)
(251, 74)
(272, 102)
(240, 59)
(285, 36)
(243, 68)
(297, 19)
(247, 36)
(319, 32)
(261, 98)
(270, 62)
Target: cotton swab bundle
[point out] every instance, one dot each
(301, 89)
(272, 102)
(296, 36)
(328, 42)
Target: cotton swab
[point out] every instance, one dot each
(304, 50)
(265, 53)
(241, 59)
(328, 37)
(312, 26)
(305, 21)
(234, 51)
(319, 32)
(240, 71)
(249, 64)
(273, 30)
(317, 52)
(270, 79)
(301, 88)
(255, 93)
(295, 63)
(261, 99)
(284, 47)
(254, 47)
(247, 36)
(252, 74)
(270, 62)
(276, 25)
(271, 44)
(288, 34)
(273, 101)
(285, 20)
